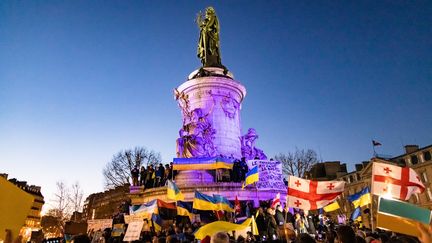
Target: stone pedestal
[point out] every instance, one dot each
(190, 177)
(220, 98)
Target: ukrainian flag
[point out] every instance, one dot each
(204, 202)
(332, 207)
(251, 177)
(157, 222)
(184, 208)
(223, 203)
(356, 215)
(207, 163)
(361, 198)
(174, 192)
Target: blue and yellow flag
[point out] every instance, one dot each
(223, 203)
(361, 198)
(332, 207)
(207, 163)
(144, 210)
(251, 177)
(220, 226)
(184, 208)
(204, 202)
(173, 192)
(157, 222)
(356, 215)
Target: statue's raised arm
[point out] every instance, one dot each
(208, 44)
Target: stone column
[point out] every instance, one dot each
(219, 96)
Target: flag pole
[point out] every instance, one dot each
(372, 199)
(373, 147)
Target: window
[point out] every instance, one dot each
(402, 162)
(414, 159)
(424, 176)
(427, 156)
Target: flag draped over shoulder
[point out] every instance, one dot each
(394, 181)
(251, 176)
(220, 226)
(204, 202)
(309, 195)
(361, 198)
(332, 207)
(173, 192)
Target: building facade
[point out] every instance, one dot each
(417, 158)
(33, 220)
(104, 205)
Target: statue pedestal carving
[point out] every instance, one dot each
(218, 99)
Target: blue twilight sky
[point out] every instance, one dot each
(81, 80)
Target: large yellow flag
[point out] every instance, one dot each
(220, 226)
(14, 207)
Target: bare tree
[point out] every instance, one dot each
(76, 197)
(61, 203)
(297, 163)
(118, 171)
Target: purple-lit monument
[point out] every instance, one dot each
(210, 136)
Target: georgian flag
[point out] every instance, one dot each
(309, 195)
(276, 201)
(394, 181)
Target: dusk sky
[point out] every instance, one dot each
(82, 80)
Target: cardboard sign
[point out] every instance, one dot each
(133, 231)
(14, 207)
(98, 224)
(270, 174)
(131, 218)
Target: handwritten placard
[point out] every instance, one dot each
(270, 174)
(98, 224)
(133, 231)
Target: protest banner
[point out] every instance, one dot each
(270, 174)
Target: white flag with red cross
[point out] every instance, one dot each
(276, 201)
(394, 181)
(308, 195)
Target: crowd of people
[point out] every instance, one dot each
(157, 175)
(274, 225)
(152, 176)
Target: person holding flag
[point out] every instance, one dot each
(393, 181)
(309, 195)
(173, 192)
(251, 176)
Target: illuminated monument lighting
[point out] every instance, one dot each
(210, 137)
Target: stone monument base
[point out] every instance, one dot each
(227, 189)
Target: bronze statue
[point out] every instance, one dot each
(208, 44)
